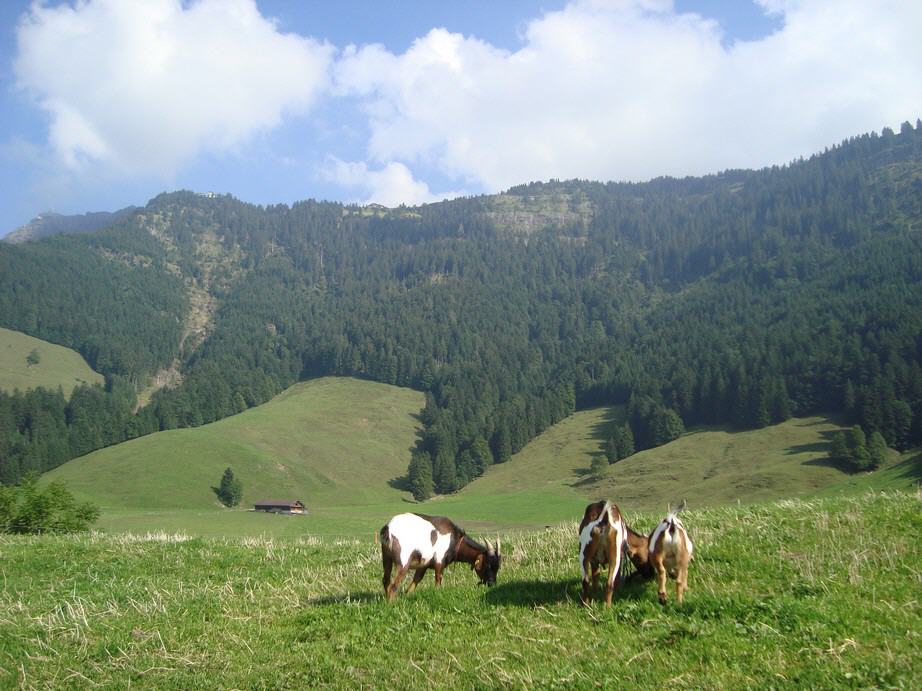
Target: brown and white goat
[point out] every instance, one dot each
(420, 542)
(670, 552)
(601, 542)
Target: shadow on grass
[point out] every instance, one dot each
(534, 593)
(911, 468)
(401, 483)
(838, 465)
(600, 432)
(828, 463)
(344, 598)
(603, 430)
(585, 475)
(815, 447)
(566, 590)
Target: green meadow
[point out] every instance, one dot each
(818, 593)
(56, 366)
(804, 576)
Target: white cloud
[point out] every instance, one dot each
(391, 185)
(145, 87)
(603, 89)
(631, 89)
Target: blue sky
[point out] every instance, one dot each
(106, 103)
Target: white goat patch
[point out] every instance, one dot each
(415, 535)
(614, 569)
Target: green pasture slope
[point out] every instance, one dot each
(819, 593)
(335, 443)
(548, 481)
(340, 445)
(57, 365)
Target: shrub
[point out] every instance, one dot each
(28, 509)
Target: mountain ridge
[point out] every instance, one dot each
(740, 298)
(50, 223)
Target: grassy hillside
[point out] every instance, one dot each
(57, 365)
(795, 594)
(330, 442)
(900, 473)
(549, 479)
(341, 446)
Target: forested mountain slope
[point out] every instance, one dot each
(743, 297)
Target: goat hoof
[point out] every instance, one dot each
(662, 599)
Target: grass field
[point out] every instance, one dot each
(820, 593)
(341, 446)
(57, 365)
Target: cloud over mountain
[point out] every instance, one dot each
(603, 89)
(147, 87)
(631, 89)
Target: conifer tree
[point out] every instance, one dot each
(230, 491)
(877, 450)
(420, 475)
(613, 447)
(838, 450)
(858, 449)
(598, 467)
(627, 441)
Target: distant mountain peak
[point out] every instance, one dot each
(50, 223)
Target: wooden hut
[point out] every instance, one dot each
(280, 506)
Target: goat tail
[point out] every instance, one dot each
(383, 536)
(606, 512)
(613, 522)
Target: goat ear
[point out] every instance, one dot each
(478, 563)
(668, 507)
(681, 507)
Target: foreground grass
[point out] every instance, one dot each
(57, 365)
(819, 593)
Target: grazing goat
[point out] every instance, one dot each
(601, 542)
(416, 541)
(670, 551)
(638, 551)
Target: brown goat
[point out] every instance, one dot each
(601, 542)
(638, 551)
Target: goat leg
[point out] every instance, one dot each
(417, 577)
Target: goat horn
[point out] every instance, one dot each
(490, 549)
(498, 544)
